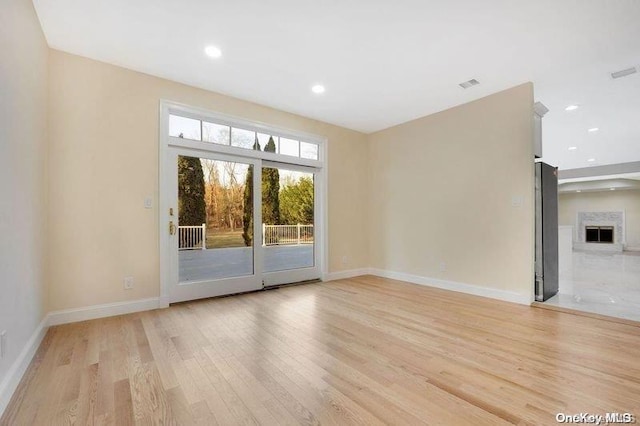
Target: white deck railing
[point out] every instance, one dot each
(195, 237)
(192, 237)
(273, 235)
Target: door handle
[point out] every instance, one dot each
(172, 228)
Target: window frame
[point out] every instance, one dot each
(173, 108)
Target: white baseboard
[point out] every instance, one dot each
(492, 293)
(103, 311)
(627, 248)
(475, 290)
(342, 275)
(16, 371)
(163, 302)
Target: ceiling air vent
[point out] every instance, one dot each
(624, 73)
(470, 83)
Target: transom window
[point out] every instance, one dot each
(223, 134)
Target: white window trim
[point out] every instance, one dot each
(242, 123)
(168, 107)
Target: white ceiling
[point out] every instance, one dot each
(384, 63)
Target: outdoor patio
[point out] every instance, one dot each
(201, 265)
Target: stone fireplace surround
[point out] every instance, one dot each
(615, 219)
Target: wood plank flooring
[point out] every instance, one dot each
(360, 351)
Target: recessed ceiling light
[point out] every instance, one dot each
(571, 108)
(213, 52)
(573, 148)
(612, 189)
(593, 129)
(591, 160)
(318, 89)
(579, 190)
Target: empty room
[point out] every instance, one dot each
(286, 212)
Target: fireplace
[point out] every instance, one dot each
(599, 234)
(600, 231)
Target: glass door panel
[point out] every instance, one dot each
(214, 241)
(213, 237)
(288, 224)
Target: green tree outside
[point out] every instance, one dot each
(296, 202)
(247, 201)
(191, 202)
(192, 210)
(270, 190)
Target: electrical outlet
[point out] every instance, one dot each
(345, 260)
(128, 283)
(443, 266)
(3, 343)
(148, 202)
(517, 201)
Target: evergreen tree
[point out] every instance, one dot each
(247, 204)
(270, 190)
(191, 192)
(270, 196)
(247, 214)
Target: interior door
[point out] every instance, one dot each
(214, 224)
(290, 226)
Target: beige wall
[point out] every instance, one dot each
(399, 200)
(104, 161)
(441, 192)
(23, 168)
(627, 201)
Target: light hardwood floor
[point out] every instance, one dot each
(365, 350)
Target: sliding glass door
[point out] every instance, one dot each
(240, 207)
(228, 238)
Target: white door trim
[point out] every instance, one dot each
(164, 202)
